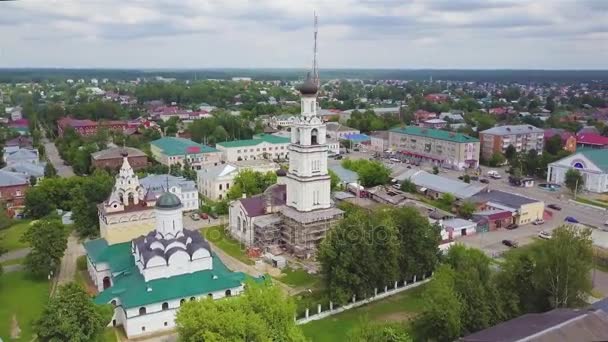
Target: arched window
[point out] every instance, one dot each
(313, 136)
(192, 299)
(181, 302)
(210, 295)
(228, 293)
(165, 306)
(142, 310)
(578, 165)
(113, 302)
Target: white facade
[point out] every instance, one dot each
(596, 178)
(215, 182)
(307, 181)
(254, 149)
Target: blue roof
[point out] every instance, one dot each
(357, 137)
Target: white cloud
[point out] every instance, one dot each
(278, 33)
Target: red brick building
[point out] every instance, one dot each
(13, 186)
(89, 127)
(112, 158)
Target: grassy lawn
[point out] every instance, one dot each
(601, 204)
(399, 308)
(11, 236)
(298, 278)
(108, 335)
(23, 297)
(12, 262)
(218, 236)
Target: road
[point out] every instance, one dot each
(53, 156)
(16, 254)
(67, 271)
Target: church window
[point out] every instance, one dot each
(165, 323)
(181, 302)
(165, 306)
(113, 302)
(220, 187)
(227, 186)
(192, 299)
(228, 293)
(313, 137)
(210, 295)
(142, 310)
(220, 196)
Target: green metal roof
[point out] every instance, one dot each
(435, 134)
(172, 146)
(130, 287)
(599, 157)
(168, 200)
(257, 139)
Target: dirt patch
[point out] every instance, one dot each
(15, 330)
(396, 317)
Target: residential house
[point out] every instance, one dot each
(89, 127)
(591, 140)
(379, 141)
(262, 146)
(437, 97)
(591, 163)
(434, 123)
(112, 158)
(281, 121)
(170, 151)
(337, 131)
(447, 149)
(214, 182)
(422, 115)
(13, 186)
(568, 138)
(522, 137)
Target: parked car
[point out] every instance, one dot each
(509, 243)
(555, 207)
(195, 216)
(204, 216)
(606, 223)
(571, 219)
(544, 235)
(338, 157)
(461, 177)
(538, 222)
(475, 178)
(484, 181)
(512, 226)
(213, 215)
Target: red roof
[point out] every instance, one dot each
(592, 139)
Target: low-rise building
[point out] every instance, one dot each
(183, 188)
(591, 163)
(13, 186)
(522, 137)
(422, 115)
(456, 227)
(379, 141)
(112, 158)
(170, 151)
(89, 127)
(524, 209)
(337, 131)
(435, 186)
(214, 182)
(568, 138)
(434, 123)
(448, 149)
(13, 154)
(590, 140)
(262, 146)
(281, 121)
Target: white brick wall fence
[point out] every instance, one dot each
(396, 288)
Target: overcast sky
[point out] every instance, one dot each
(464, 34)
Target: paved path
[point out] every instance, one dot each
(16, 254)
(53, 156)
(12, 268)
(67, 271)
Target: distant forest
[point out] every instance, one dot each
(509, 76)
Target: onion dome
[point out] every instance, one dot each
(168, 201)
(309, 87)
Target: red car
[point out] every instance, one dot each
(204, 216)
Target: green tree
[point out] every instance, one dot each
(37, 203)
(71, 315)
(496, 159)
(447, 199)
(564, 265)
(510, 152)
(48, 241)
(441, 319)
(466, 179)
(365, 331)
(262, 313)
(574, 180)
(467, 209)
(49, 170)
(435, 170)
(408, 186)
(335, 180)
(371, 173)
(250, 183)
(554, 144)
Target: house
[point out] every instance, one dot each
(112, 158)
(522, 137)
(20, 142)
(443, 148)
(568, 138)
(337, 131)
(524, 209)
(29, 170)
(456, 227)
(434, 123)
(558, 325)
(492, 219)
(13, 186)
(214, 182)
(171, 151)
(435, 186)
(262, 146)
(422, 115)
(281, 121)
(437, 97)
(346, 176)
(591, 140)
(14, 155)
(184, 189)
(379, 141)
(89, 127)
(591, 163)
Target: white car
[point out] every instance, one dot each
(544, 235)
(538, 222)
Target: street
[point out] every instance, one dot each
(54, 158)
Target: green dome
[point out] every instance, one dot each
(168, 201)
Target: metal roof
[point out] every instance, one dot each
(258, 139)
(435, 134)
(172, 146)
(513, 129)
(503, 198)
(441, 184)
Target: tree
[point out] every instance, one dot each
(510, 152)
(496, 159)
(335, 180)
(408, 186)
(440, 321)
(467, 209)
(71, 315)
(564, 265)
(371, 173)
(554, 144)
(574, 180)
(367, 332)
(435, 170)
(261, 313)
(250, 183)
(447, 199)
(466, 179)
(48, 240)
(49, 170)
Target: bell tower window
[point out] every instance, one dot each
(313, 137)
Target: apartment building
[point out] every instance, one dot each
(262, 146)
(447, 149)
(522, 137)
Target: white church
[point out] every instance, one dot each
(149, 277)
(296, 213)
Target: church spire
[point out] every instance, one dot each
(315, 67)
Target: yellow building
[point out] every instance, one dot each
(524, 209)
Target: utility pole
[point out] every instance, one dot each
(575, 188)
